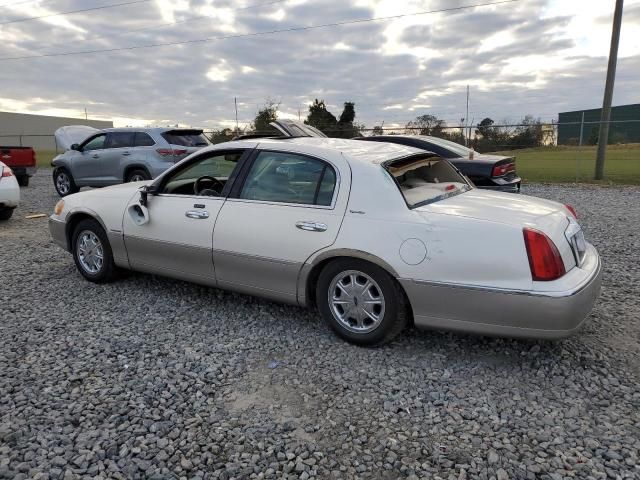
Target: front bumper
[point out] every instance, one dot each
(496, 312)
(58, 230)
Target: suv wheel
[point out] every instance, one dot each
(138, 175)
(63, 181)
(361, 302)
(92, 252)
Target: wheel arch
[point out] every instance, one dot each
(310, 272)
(75, 217)
(134, 166)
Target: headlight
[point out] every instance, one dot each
(59, 207)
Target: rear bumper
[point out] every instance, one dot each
(544, 315)
(58, 232)
(502, 185)
(21, 171)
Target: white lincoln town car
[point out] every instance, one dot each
(375, 235)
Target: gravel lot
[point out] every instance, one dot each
(154, 378)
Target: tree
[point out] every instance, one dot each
(223, 135)
(484, 128)
(528, 133)
(426, 125)
(266, 115)
(321, 118)
(377, 130)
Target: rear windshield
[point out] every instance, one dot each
(186, 138)
(426, 180)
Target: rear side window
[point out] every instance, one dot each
(290, 178)
(426, 180)
(119, 139)
(143, 140)
(186, 138)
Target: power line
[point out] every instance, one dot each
(48, 15)
(162, 25)
(256, 34)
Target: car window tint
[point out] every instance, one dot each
(143, 140)
(96, 143)
(289, 178)
(214, 164)
(119, 139)
(186, 138)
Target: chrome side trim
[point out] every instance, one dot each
(254, 257)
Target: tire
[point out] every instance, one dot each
(63, 182)
(386, 301)
(137, 175)
(23, 180)
(5, 213)
(88, 239)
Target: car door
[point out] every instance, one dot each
(285, 210)
(87, 167)
(118, 151)
(177, 239)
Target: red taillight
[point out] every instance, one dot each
(168, 152)
(545, 261)
(572, 211)
(503, 169)
(165, 152)
(6, 172)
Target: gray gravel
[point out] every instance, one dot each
(154, 378)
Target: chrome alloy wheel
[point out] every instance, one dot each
(63, 183)
(356, 301)
(90, 252)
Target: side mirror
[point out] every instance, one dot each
(139, 214)
(144, 193)
(76, 147)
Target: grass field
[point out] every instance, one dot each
(571, 164)
(550, 164)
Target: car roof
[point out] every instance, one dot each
(373, 153)
(147, 129)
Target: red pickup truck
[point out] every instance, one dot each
(22, 160)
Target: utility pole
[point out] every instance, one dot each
(466, 119)
(603, 136)
(85, 114)
(235, 101)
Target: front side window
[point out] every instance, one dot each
(207, 176)
(426, 180)
(119, 140)
(96, 143)
(289, 178)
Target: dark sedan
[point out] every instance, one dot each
(495, 172)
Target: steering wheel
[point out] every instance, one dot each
(207, 185)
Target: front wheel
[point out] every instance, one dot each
(63, 181)
(92, 252)
(361, 302)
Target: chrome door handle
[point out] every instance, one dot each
(95, 155)
(311, 226)
(125, 154)
(197, 214)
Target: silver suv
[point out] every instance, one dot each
(118, 155)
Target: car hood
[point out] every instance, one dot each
(67, 136)
(506, 208)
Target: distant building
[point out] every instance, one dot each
(37, 130)
(621, 130)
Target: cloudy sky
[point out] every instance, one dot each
(534, 57)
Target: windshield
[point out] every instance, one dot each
(426, 180)
(186, 138)
(456, 148)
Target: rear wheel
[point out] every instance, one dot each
(23, 180)
(138, 175)
(63, 181)
(361, 302)
(92, 252)
(5, 213)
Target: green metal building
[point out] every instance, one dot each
(625, 126)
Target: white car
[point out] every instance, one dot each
(9, 192)
(376, 235)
